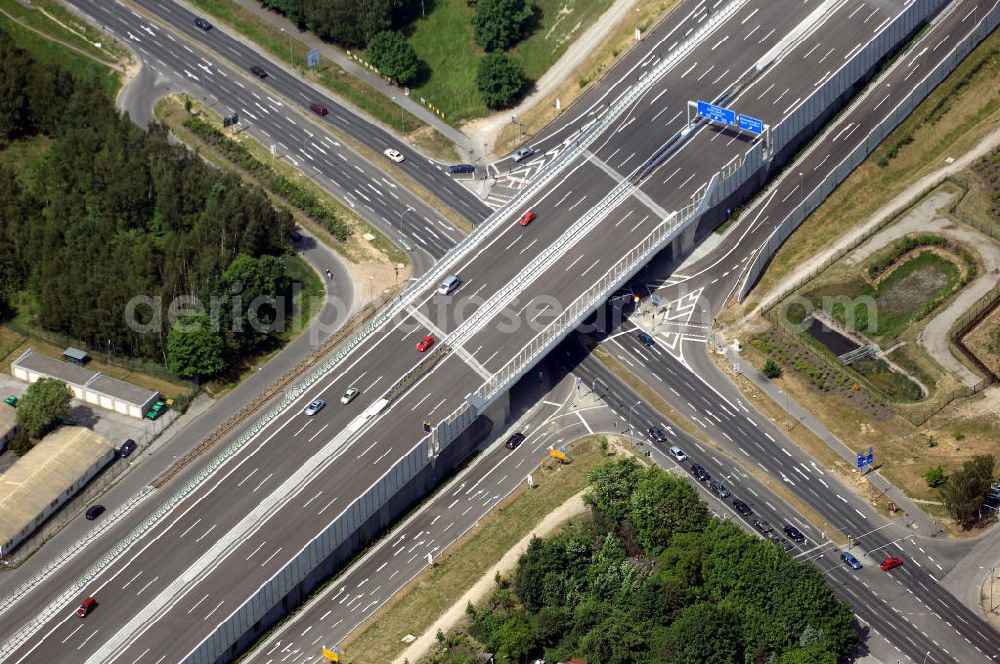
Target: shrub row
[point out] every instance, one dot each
(297, 196)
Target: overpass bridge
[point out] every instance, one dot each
(246, 538)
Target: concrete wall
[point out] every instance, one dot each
(389, 498)
(905, 105)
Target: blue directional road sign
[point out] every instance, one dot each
(716, 113)
(312, 58)
(747, 123)
(866, 459)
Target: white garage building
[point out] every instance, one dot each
(92, 387)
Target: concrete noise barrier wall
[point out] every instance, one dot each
(904, 106)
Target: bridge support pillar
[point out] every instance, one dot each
(499, 411)
(683, 244)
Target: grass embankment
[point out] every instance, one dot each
(53, 34)
(284, 46)
(951, 120)
(615, 44)
(445, 42)
(435, 590)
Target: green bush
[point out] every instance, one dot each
(934, 476)
(771, 370)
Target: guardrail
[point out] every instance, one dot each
(840, 172)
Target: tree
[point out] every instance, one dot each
(514, 638)
(499, 24)
(965, 491)
(934, 476)
(194, 349)
(500, 80)
(772, 370)
(21, 443)
(46, 400)
(705, 634)
(393, 56)
(663, 505)
(611, 488)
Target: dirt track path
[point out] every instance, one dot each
(552, 521)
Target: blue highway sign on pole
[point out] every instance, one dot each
(748, 123)
(866, 459)
(716, 113)
(312, 58)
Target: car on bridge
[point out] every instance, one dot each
(349, 395)
(526, 218)
(850, 560)
(425, 343)
(314, 407)
(394, 155)
(892, 562)
(86, 607)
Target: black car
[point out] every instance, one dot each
(762, 526)
(461, 168)
(700, 472)
(203, 24)
(515, 440)
(127, 448)
(644, 339)
(258, 71)
(742, 507)
(794, 534)
(656, 433)
(94, 511)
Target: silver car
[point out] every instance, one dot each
(523, 154)
(315, 407)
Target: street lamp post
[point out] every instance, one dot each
(402, 128)
(631, 408)
(291, 56)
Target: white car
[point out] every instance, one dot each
(349, 395)
(677, 453)
(394, 155)
(315, 407)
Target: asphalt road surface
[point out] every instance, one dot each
(143, 577)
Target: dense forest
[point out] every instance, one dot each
(651, 578)
(347, 22)
(108, 212)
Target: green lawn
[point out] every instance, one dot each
(445, 44)
(96, 67)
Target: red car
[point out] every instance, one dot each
(891, 563)
(87, 606)
(526, 218)
(425, 343)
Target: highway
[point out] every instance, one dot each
(214, 67)
(164, 594)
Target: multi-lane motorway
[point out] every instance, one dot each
(168, 591)
(214, 67)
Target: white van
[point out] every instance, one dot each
(448, 285)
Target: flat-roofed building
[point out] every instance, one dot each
(46, 477)
(8, 424)
(92, 387)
